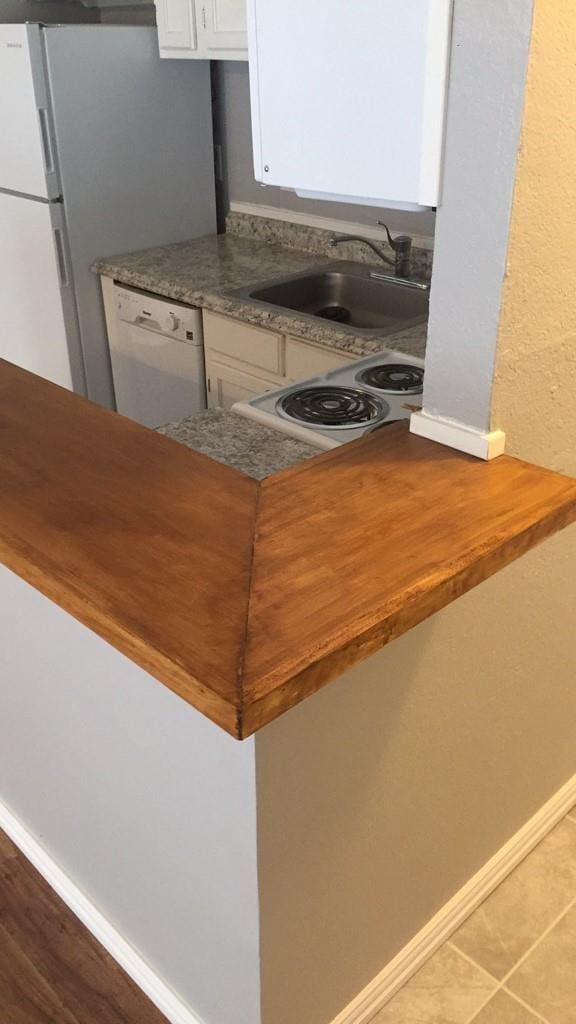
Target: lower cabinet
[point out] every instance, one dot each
(243, 361)
(226, 385)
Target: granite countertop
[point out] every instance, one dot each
(206, 271)
(243, 444)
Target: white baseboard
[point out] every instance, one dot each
(409, 960)
(456, 435)
(313, 220)
(380, 990)
(123, 953)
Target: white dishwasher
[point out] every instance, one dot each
(157, 353)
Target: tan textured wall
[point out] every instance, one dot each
(380, 796)
(534, 398)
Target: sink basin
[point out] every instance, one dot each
(348, 294)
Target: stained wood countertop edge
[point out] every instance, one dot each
(224, 589)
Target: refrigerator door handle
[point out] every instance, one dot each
(46, 140)
(61, 257)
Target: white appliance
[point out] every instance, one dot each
(344, 404)
(348, 99)
(104, 148)
(157, 355)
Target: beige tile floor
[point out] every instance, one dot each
(514, 960)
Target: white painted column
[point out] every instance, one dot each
(490, 48)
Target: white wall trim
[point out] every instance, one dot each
(409, 960)
(381, 989)
(313, 220)
(456, 435)
(123, 953)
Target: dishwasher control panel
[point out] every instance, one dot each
(152, 313)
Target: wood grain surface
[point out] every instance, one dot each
(140, 539)
(245, 598)
(52, 971)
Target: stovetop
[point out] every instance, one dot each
(344, 404)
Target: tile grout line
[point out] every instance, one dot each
(499, 988)
(534, 945)
(497, 984)
(502, 984)
(526, 1006)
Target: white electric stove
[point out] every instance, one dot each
(344, 404)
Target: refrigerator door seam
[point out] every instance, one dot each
(29, 196)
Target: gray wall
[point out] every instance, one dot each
(143, 13)
(140, 800)
(15, 11)
(50, 12)
(232, 93)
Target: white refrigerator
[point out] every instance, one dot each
(104, 149)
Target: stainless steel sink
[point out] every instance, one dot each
(356, 298)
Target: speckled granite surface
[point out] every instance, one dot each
(243, 444)
(317, 241)
(204, 272)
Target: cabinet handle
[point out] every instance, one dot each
(203, 17)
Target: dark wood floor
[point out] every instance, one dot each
(52, 971)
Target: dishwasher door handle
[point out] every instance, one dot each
(147, 324)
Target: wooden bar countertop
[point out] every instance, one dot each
(244, 597)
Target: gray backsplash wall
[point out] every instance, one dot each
(232, 130)
(142, 13)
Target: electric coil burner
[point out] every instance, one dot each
(332, 406)
(393, 378)
(343, 404)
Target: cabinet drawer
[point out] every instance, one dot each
(226, 385)
(241, 342)
(309, 361)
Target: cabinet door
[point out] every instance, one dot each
(224, 34)
(226, 385)
(177, 36)
(348, 99)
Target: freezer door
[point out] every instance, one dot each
(27, 155)
(37, 327)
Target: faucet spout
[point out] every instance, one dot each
(337, 239)
(401, 246)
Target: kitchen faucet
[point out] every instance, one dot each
(401, 246)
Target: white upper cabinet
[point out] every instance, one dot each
(202, 29)
(348, 100)
(226, 35)
(177, 35)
